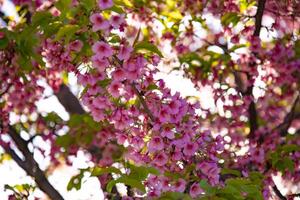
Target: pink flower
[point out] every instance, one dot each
(100, 102)
(76, 45)
(164, 115)
(176, 155)
(119, 75)
(116, 20)
(98, 115)
(174, 106)
(99, 23)
(155, 60)
(179, 185)
(104, 4)
(156, 144)
(114, 88)
(190, 149)
(167, 132)
(195, 190)
(165, 184)
(100, 63)
(124, 52)
(211, 170)
(121, 138)
(102, 49)
(160, 159)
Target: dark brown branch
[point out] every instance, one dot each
(252, 119)
(6, 90)
(142, 100)
(259, 16)
(283, 127)
(29, 165)
(252, 107)
(278, 193)
(69, 100)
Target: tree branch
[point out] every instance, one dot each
(278, 193)
(69, 100)
(142, 100)
(252, 107)
(258, 16)
(29, 165)
(283, 127)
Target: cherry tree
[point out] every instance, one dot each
(134, 129)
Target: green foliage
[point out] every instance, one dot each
(174, 196)
(147, 46)
(230, 18)
(280, 159)
(4, 41)
(67, 32)
(88, 5)
(76, 181)
(127, 181)
(21, 191)
(134, 179)
(97, 171)
(231, 171)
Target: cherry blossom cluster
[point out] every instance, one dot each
(158, 128)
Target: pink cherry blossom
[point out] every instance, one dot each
(98, 115)
(100, 63)
(179, 185)
(76, 45)
(124, 52)
(117, 20)
(119, 75)
(156, 144)
(160, 159)
(104, 4)
(190, 149)
(167, 132)
(102, 49)
(114, 88)
(195, 190)
(99, 23)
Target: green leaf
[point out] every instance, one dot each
(147, 46)
(88, 4)
(75, 182)
(174, 196)
(41, 19)
(127, 181)
(66, 31)
(229, 18)
(141, 172)
(206, 187)
(117, 9)
(288, 148)
(64, 140)
(97, 171)
(75, 120)
(52, 28)
(231, 171)
(63, 6)
(235, 47)
(152, 87)
(4, 42)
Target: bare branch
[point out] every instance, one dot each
(259, 16)
(30, 165)
(252, 107)
(142, 100)
(283, 127)
(278, 193)
(69, 100)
